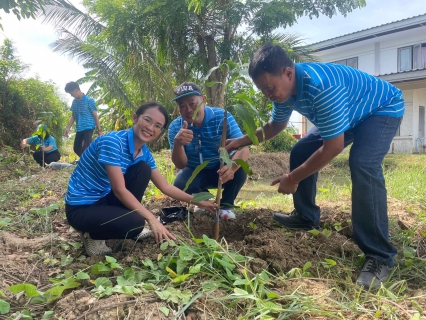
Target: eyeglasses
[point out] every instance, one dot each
(148, 122)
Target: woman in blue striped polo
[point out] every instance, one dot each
(103, 200)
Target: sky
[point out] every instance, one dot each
(32, 38)
(375, 13)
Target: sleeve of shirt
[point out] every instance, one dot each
(92, 105)
(73, 106)
(34, 140)
(109, 150)
(172, 132)
(233, 130)
(331, 107)
(281, 112)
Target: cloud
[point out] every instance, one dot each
(31, 38)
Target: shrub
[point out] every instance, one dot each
(283, 142)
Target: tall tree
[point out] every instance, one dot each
(152, 45)
(10, 65)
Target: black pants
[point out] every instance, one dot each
(48, 157)
(208, 178)
(82, 141)
(108, 218)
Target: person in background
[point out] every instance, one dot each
(51, 153)
(103, 200)
(346, 106)
(85, 115)
(198, 140)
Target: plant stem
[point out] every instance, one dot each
(219, 183)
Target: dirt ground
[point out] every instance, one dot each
(272, 248)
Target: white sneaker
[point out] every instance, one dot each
(227, 214)
(94, 247)
(197, 209)
(145, 233)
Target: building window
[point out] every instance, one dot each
(351, 62)
(412, 57)
(404, 59)
(419, 56)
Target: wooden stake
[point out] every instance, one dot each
(219, 183)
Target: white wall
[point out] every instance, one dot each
(388, 61)
(348, 52)
(409, 132)
(408, 120)
(365, 51)
(366, 62)
(419, 99)
(405, 142)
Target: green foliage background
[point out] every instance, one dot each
(23, 102)
(283, 142)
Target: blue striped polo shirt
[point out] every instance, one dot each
(50, 141)
(336, 98)
(89, 181)
(82, 110)
(207, 139)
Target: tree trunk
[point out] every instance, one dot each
(215, 93)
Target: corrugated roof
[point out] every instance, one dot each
(371, 29)
(404, 76)
(399, 72)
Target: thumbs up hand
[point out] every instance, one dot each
(184, 136)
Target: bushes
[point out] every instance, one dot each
(283, 142)
(22, 103)
(25, 102)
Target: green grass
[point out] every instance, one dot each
(405, 177)
(30, 207)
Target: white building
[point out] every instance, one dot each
(395, 52)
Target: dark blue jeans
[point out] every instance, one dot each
(208, 178)
(371, 141)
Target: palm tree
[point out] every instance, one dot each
(140, 50)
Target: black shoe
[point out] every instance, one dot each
(373, 273)
(294, 220)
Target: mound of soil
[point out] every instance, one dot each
(268, 165)
(255, 234)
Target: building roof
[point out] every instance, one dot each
(384, 29)
(404, 76)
